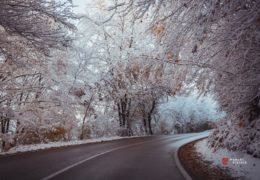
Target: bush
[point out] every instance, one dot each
(56, 134)
(123, 132)
(43, 135)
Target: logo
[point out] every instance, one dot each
(236, 161)
(225, 160)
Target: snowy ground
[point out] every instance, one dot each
(239, 164)
(35, 147)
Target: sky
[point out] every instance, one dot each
(81, 5)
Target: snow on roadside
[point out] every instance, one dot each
(36, 147)
(238, 163)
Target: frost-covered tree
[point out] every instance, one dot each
(219, 41)
(187, 112)
(34, 25)
(129, 70)
(29, 31)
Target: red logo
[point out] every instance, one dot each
(225, 160)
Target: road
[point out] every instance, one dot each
(145, 158)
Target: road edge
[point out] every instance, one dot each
(184, 173)
(8, 154)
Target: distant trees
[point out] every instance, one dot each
(187, 113)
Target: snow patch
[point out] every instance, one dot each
(36, 147)
(240, 164)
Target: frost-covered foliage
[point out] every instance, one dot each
(237, 137)
(31, 27)
(219, 41)
(32, 106)
(185, 113)
(126, 77)
(127, 56)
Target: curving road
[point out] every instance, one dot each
(145, 158)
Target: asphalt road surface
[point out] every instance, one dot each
(145, 158)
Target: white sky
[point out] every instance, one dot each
(81, 5)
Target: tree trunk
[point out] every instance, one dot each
(145, 125)
(149, 119)
(84, 118)
(119, 115)
(4, 128)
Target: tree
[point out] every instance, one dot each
(29, 32)
(130, 72)
(219, 42)
(38, 25)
